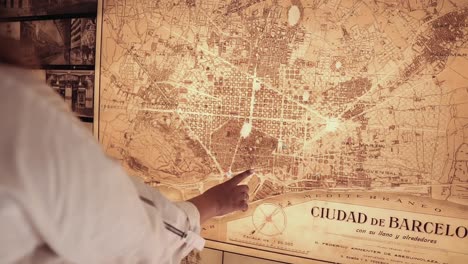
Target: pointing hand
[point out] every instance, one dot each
(224, 198)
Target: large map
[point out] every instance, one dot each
(328, 100)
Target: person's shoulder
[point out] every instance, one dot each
(21, 88)
(11, 75)
(30, 108)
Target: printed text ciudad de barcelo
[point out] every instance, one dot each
(395, 222)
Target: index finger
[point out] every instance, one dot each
(240, 177)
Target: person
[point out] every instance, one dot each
(62, 200)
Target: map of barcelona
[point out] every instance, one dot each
(318, 96)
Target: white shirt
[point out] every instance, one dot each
(63, 201)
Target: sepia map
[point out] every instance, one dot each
(349, 104)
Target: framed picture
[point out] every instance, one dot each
(83, 41)
(77, 89)
(58, 42)
(50, 40)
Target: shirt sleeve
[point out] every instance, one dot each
(78, 201)
(181, 221)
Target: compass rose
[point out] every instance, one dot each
(269, 219)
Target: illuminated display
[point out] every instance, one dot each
(353, 113)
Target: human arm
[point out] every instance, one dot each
(65, 192)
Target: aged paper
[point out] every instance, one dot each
(353, 113)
